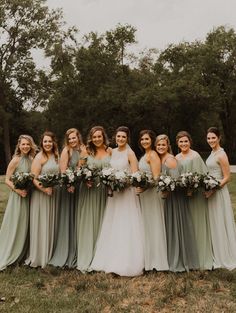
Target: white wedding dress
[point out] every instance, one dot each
(119, 247)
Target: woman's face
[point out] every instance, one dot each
(73, 140)
(184, 144)
(162, 147)
(213, 140)
(146, 142)
(97, 138)
(121, 139)
(47, 144)
(24, 146)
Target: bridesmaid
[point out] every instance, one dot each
(192, 162)
(222, 223)
(92, 199)
(65, 247)
(152, 207)
(14, 229)
(120, 245)
(181, 243)
(43, 204)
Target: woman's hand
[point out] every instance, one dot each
(139, 190)
(48, 191)
(209, 193)
(22, 193)
(71, 189)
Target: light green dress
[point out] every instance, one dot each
(199, 211)
(14, 229)
(42, 220)
(90, 211)
(152, 208)
(65, 241)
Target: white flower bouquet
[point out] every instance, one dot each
(189, 181)
(209, 182)
(165, 184)
(71, 177)
(49, 180)
(22, 180)
(88, 174)
(115, 180)
(142, 179)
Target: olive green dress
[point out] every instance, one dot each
(200, 215)
(14, 229)
(42, 220)
(65, 241)
(90, 211)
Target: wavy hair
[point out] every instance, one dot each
(33, 147)
(91, 148)
(166, 138)
(54, 147)
(152, 136)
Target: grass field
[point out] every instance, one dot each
(54, 290)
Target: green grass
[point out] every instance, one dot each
(23, 289)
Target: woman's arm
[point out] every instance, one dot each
(155, 164)
(36, 170)
(132, 161)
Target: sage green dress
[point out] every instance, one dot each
(42, 220)
(181, 242)
(152, 209)
(14, 229)
(65, 241)
(200, 215)
(90, 211)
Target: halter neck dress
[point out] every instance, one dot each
(15, 224)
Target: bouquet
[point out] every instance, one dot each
(115, 180)
(165, 184)
(142, 180)
(48, 180)
(71, 177)
(21, 180)
(88, 174)
(209, 182)
(190, 181)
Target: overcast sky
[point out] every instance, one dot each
(158, 22)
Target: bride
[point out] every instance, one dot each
(119, 247)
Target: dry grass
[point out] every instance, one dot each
(52, 290)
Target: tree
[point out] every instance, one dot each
(25, 26)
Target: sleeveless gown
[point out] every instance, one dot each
(120, 245)
(199, 212)
(222, 223)
(152, 209)
(42, 220)
(15, 224)
(89, 215)
(181, 242)
(65, 241)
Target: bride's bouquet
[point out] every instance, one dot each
(48, 180)
(142, 179)
(22, 180)
(189, 181)
(71, 177)
(165, 184)
(115, 180)
(209, 182)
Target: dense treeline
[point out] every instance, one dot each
(95, 80)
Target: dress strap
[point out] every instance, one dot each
(170, 156)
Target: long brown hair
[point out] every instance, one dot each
(54, 147)
(152, 136)
(91, 148)
(67, 134)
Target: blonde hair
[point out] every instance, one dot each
(166, 138)
(33, 147)
(70, 131)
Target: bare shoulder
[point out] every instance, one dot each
(222, 156)
(171, 162)
(154, 156)
(178, 156)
